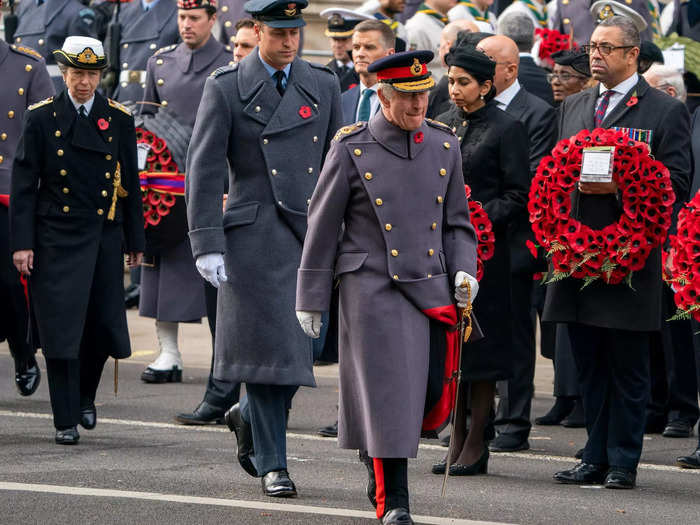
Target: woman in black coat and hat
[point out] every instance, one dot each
(494, 149)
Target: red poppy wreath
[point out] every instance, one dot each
(685, 261)
(552, 41)
(614, 252)
(484, 232)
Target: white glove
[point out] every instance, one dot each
(211, 267)
(311, 323)
(461, 295)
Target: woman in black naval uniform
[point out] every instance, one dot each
(494, 149)
(75, 205)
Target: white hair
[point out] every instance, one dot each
(669, 76)
(387, 90)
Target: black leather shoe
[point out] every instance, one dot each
(619, 478)
(678, 428)
(509, 443)
(692, 461)
(278, 485)
(480, 467)
(88, 417)
(439, 467)
(174, 375)
(575, 418)
(204, 414)
(244, 438)
(561, 408)
(27, 377)
(132, 295)
(68, 436)
(371, 481)
(583, 474)
(579, 453)
(397, 516)
(330, 431)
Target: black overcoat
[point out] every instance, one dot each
(494, 149)
(61, 192)
(620, 306)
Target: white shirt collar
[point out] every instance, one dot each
(521, 54)
(623, 87)
(506, 96)
(348, 64)
(88, 104)
(374, 88)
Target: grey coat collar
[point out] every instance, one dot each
(199, 59)
(252, 74)
(400, 142)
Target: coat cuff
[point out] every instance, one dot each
(314, 289)
(207, 240)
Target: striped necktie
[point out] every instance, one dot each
(603, 108)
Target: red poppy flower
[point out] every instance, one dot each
(102, 124)
(418, 137)
(632, 102)
(304, 112)
(532, 248)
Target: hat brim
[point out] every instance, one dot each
(284, 24)
(339, 34)
(72, 61)
(414, 86)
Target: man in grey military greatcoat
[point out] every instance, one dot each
(268, 122)
(395, 183)
(26, 82)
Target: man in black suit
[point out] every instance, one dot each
(372, 40)
(519, 28)
(611, 326)
(539, 118)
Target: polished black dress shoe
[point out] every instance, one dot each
(583, 474)
(439, 467)
(561, 408)
(68, 436)
(509, 443)
(204, 414)
(27, 377)
(397, 516)
(575, 418)
(278, 485)
(244, 438)
(174, 375)
(619, 478)
(132, 295)
(330, 431)
(480, 467)
(579, 453)
(678, 428)
(692, 461)
(88, 417)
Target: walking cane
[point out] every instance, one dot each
(465, 330)
(116, 376)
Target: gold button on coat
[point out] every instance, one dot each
(164, 103)
(443, 172)
(63, 173)
(379, 202)
(274, 172)
(57, 133)
(228, 23)
(394, 253)
(160, 82)
(387, 227)
(431, 252)
(20, 91)
(310, 170)
(59, 153)
(224, 9)
(433, 226)
(567, 21)
(107, 175)
(396, 277)
(315, 139)
(28, 68)
(265, 141)
(439, 199)
(66, 190)
(159, 61)
(257, 109)
(108, 157)
(104, 193)
(3, 136)
(368, 176)
(100, 211)
(152, 46)
(357, 152)
(66, 209)
(10, 114)
(447, 145)
(2, 159)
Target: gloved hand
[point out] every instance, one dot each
(461, 295)
(211, 267)
(311, 323)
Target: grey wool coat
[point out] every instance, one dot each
(401, 199)
(272, 148)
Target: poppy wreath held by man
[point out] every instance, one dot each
(484, 232)
(614, 252)
(684, 261)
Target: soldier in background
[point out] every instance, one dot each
(147, 25)
(45, 24)
(341, 24)
(26, 82)
(230, 12)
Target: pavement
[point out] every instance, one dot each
(139, 467)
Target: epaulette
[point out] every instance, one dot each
(224, 69)
(347, 131)
(119, 106)
(164, 49)
(321, 67)
(28, 51)
(40, 103)
(439, 125)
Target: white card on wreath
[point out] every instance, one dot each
(142, 151)
(597, 164)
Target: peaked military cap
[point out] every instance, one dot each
(209, 5)
(342, 22)
(604, 9)
(277, 13)
(407, 71)
(81, 52)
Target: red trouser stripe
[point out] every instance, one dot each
(380, 493)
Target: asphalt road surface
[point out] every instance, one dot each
(139, 467)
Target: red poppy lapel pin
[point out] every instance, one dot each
(418, 137)
(304, 112)
(633, 100)
(102, 124)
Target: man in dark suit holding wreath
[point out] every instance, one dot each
(611, 325)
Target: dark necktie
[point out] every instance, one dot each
(365, 106)
(81, 111)
(603, 107)
(279, 77)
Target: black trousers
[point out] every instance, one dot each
(515, 394)
(221, 394)
(674, 386)
(14, 316)
(565, 375)
(613, 368)
(73, 385)
(391, 481)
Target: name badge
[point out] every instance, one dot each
(597, 164)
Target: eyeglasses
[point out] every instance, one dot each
(603, 49)
(563, 77)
